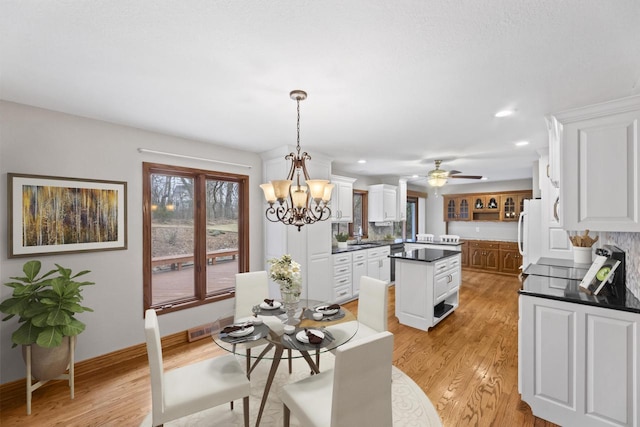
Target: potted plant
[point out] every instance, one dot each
(46, 306)
(342, 239)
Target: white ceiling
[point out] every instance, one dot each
(397, 82)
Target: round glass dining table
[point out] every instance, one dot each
(266, 326)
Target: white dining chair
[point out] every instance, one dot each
(373, 303)
(192, 388)
(252, 288)
(356, 392)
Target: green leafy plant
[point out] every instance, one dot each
(342, 237)
(45, 305)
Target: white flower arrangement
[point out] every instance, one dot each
(286, 272)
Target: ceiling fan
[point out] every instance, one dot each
(438, 177)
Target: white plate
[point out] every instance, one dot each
(265, 306)
(320, 308)
(302, 335)
(242, 332)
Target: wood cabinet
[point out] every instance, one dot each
(510, 258)
(484, 255)
(599, 155)
(502, 206)
(342, 199)
(464, 259)
(457, 208)
(383, 203)
(579, 365)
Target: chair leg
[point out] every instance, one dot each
(231, 405)
(245, 410)
(286, 416)
(248, 363)
(290, 361)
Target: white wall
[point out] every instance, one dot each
(42, 142)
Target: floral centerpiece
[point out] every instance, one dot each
(286, 272)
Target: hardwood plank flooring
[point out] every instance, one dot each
(467, 365)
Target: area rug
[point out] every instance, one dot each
(411, 407)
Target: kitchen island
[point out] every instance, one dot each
(427, 285)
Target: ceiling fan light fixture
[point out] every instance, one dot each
(437, 180)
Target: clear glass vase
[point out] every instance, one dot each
(290, 299)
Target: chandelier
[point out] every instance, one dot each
(298, 204)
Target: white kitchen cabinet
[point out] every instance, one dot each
(342, 277)
(402, 200)
(378, 263)
(359, 269)
(342, 199)
(552, 167)
(600, 159)
(383, 203)
(579, 364)
(426, 292)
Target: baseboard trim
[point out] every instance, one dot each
(13, 389)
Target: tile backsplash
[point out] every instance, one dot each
(630, 243)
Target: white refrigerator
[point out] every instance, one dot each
(530, 232)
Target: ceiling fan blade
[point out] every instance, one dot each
(454, 172)
(467, 176)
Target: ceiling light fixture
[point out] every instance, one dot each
(504, 113)
(298, 204)
(362, 161)
(437, 177)
(522, 143)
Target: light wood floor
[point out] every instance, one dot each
(467, 365)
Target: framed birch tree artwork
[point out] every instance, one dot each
(50, 215)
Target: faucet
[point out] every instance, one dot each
(359, 235)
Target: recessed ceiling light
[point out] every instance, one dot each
(504, 113)
(362, 161)
(414, 176)
(484, 178)
(522, 143)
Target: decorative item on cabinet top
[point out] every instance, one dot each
(498, 206)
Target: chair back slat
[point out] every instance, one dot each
(362, 383)
(373, 302)
(154, 353)
(251, 289)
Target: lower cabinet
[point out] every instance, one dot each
(378, 263)
(510, 258)
(579, 365)
(342, 277)
(484, 255)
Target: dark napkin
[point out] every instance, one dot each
(233, 328)
(269, 301)
(313, 338)
(330, 307)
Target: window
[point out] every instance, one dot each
(195, 235)
(412, 217)
(359, 213)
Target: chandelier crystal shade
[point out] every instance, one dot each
(293, 203)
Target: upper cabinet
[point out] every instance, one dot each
(504, 206)
(457, 208)
(383, 203)
(600, 159)
(402, 200)
(342, 199)
(554, 128)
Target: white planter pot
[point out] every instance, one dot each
(342, 245)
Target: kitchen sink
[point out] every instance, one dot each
(365, 245)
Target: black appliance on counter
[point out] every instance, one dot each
(618, 287)
(396, 247)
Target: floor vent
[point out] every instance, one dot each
(198, 333)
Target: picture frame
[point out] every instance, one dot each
(52, 215)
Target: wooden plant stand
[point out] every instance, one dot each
(31, 386)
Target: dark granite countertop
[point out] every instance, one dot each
(568, 290)
(424, 255)
(368, 244)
